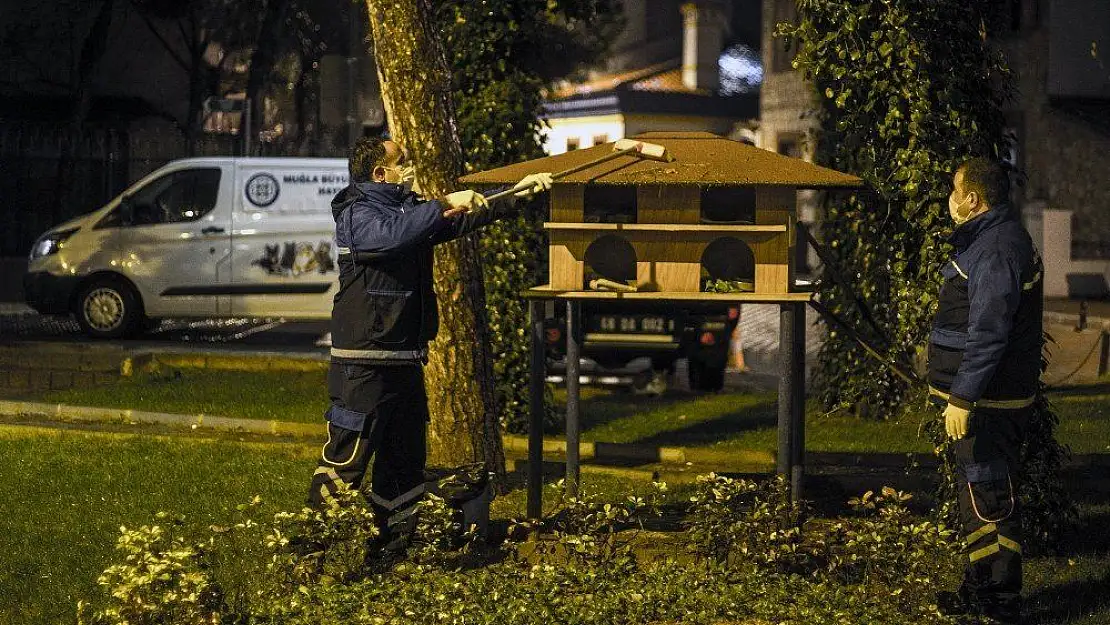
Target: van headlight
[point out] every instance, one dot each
(49, 243)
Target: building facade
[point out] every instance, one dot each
(1060, 120)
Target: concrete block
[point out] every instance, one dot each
(60, 380)
(238, 363)
(19, 379)
(193, 361)
(38, 360)
(106, 378)
(99, 362)
(40, 380)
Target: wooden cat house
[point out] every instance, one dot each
(643, 229)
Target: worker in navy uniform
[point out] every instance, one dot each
(383, 316)
(984, 366)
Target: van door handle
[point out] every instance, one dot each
(212, 230)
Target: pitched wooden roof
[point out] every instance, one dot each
(700, 158)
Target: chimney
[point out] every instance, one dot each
(704, 26)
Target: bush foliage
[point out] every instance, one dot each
(750, 555)
(503, 53)
(908, 89)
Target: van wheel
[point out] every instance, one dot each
(704, 376)
(109, 308)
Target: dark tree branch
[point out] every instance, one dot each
(165, 43)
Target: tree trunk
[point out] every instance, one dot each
(416, 90)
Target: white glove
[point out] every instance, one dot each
(955, 421)
(533, 184)
(463, 202)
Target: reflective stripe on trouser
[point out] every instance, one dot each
(378, 413)
(990, 514)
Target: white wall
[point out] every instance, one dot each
(1050, 229)
(582, 128)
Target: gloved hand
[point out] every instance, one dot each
(463, 202)
(956, 421)
(533, 184)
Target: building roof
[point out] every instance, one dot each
(700, 158)
(663, 77)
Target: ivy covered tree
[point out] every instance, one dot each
(908, 89)
(502, 55)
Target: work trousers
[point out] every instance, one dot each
(379, 412)
(990, 514)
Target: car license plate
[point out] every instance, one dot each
(645, 324)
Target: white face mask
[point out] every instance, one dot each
(405, 176)
(954, 209)
(408, 179)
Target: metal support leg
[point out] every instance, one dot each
(798, 402)
(791, 415)
(572, 373)
(536, 408)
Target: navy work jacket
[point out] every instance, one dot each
(385, 311)
(985, 345)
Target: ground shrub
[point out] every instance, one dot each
(749, 555)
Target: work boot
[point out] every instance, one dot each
(958, 603)
(953, 603)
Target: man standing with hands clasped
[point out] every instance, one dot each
(383, 317)
(984, 366)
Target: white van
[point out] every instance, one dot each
(200, 237)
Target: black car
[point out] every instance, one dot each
(638, 343)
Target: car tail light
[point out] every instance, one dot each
(552, 335)
(708, 339)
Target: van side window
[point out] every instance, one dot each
(182, 196)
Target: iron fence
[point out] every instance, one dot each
(51, 173)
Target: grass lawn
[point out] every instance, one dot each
(294, 396)
(67, 493)
(732, 420)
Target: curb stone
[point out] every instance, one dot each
(598, 452)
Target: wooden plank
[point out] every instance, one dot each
(548, 292)
(774, 267)
(668, 204)
(772, 199)
(669, 276)
(679, 228)
(565, 271)
(567, 202)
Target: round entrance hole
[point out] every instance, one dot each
(728, 258)
(612, 258)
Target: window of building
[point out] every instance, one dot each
(601, 138)
(782, 51)
(572, 143)
(790, 144)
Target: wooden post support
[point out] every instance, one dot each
(574, 308)
(791, 409)
(536, 411)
